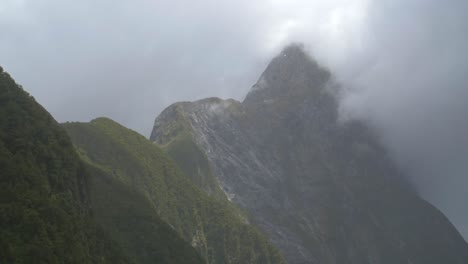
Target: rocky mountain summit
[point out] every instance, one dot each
(323, 191)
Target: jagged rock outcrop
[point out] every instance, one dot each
(323, 191)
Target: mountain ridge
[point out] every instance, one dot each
(215, 228)
(316, 186)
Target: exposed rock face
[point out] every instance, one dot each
(323, 192)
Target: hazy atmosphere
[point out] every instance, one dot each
(402, 64)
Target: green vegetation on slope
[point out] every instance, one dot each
(214, 229)
(194, 163)
(178, 142)
(44, 215)
(133, 222)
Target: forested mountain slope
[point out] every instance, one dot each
(211, 225)
(132, 221)
(55, 208)
(44, 199)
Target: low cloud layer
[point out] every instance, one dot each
(403, 66)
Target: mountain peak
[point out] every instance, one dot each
(292, 72)
(294, 50)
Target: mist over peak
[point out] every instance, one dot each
(291, 73)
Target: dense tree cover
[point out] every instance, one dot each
(218, 232)
(47, 193)
(44, 216)
(133, 222)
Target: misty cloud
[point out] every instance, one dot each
(402, 65)
(415, 92)
(130, 59)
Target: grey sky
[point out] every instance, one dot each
(402, 63)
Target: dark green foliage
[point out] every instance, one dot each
(214, 229)
(132, 221)
(43, 196)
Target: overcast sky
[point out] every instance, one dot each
(403, 65)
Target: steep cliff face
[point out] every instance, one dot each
(323, 191)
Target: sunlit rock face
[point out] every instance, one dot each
(322, 190)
